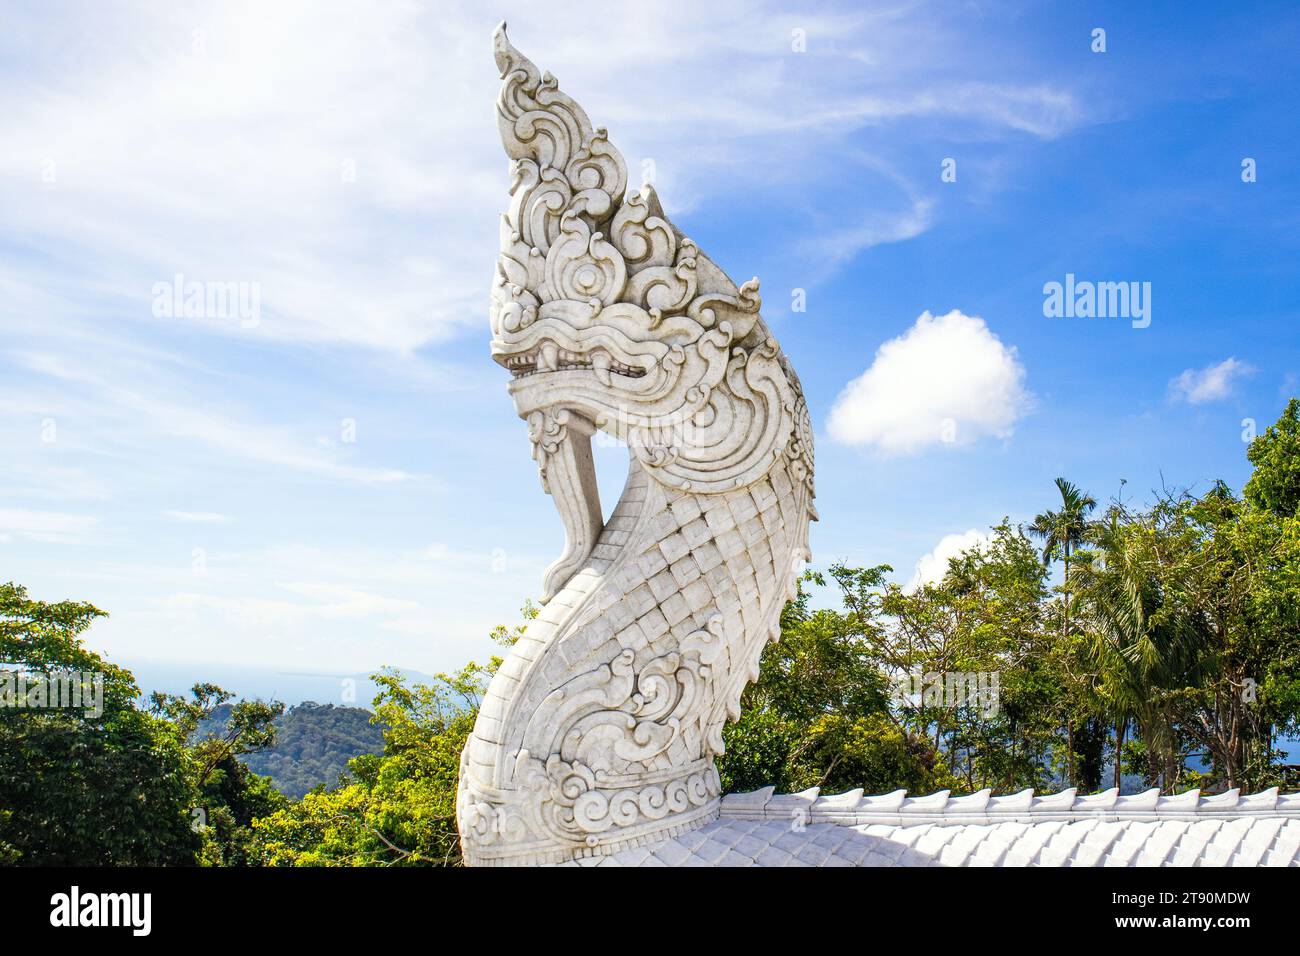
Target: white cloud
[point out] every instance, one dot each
(932, 566)
(44, 479)
(836, 247)
(291, 156)
(1209, 384)
(319, 601)
(197, 517)
(320, 151)
(947, 380)
(167, 409)
(50, 527)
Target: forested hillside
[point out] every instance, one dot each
(313, 744)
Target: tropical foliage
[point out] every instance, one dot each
(400, 809)
(1090, 646)
(115, 783)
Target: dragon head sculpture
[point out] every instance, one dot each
(608, 318)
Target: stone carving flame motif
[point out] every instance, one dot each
(600, 729)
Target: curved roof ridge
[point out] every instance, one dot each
(854, 807)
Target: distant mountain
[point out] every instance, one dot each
(314, 743)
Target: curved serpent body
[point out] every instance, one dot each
(600, 730)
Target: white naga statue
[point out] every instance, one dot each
(600, 729)
(596, 740)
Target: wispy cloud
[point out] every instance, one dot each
(39, 477)
(197, 517)
(345, 160)
(50, 527)
(833, 249)
(296, 157)
(246, 189)
(165, 413)
(1209, 384)
(349, 607)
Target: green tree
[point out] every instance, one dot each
(400, 807)
(78, 787)
(1061, 532)
(1275, 484)
(229, 795)
(985, 616)
(1146, 641)
(818, 714)
(1239, 574)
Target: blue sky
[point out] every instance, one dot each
(343, 484)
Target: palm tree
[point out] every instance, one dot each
(1140, 649)
(1106, 628)
(1062, 531)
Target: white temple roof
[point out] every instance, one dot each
(1024, 829)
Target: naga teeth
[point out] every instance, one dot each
(549, 357)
